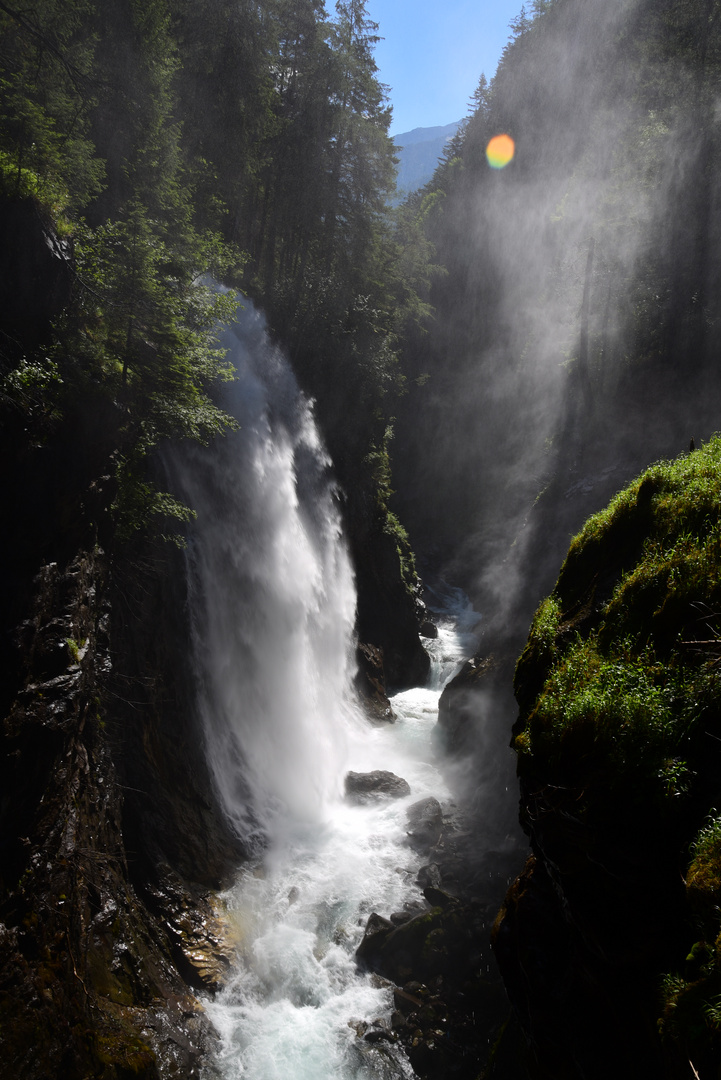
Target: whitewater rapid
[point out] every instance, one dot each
(272, 601)
(296, 1001)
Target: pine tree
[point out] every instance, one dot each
(48, 86)
(520, 25)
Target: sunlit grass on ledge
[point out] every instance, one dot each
(622, 658)
(619, 689)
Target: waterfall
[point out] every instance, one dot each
(271, 594)
(272, 602)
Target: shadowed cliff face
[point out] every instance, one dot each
(106, 927)
(618, 758)
(35, 278)
(110, 836)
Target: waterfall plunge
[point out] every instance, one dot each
(271, 595)
(273, 601)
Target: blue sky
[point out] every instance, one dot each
(434, 52)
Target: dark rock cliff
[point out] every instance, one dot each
(111, 845)
(389, 616)
(110, 839)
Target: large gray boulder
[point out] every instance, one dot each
(425, 823)
(368, 787)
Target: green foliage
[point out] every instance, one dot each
(691, 1001)
(684, 494)
(618, 682)
(33, 385)
(75, 649)
(148, 326)
(545, 624)
(170, 140)
(46, 96)
(141, 508)
(379, 465)
(704, 873)
(611, 708)
(393, 528)
(153, 320)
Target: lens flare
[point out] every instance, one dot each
(500, 151)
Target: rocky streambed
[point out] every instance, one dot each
(450, 1011)
(363, 928)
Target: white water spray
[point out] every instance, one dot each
(273, 604)
(272, 597)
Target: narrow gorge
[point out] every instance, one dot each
(360, 560)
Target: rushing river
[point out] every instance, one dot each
(292, 1007)
(272, 596)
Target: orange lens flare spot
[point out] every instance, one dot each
(500, 151)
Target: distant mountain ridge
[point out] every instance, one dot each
(418, 153)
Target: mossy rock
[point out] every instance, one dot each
(424, 947)
(619, 742)
(621, 659)
(123, 1052)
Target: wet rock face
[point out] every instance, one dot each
(425, 823)
(370, 683)
(575, 1016)
(368, 787)
(98, 956)
(170, 809)
(462, 704)
(450, 1004)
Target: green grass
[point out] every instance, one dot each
(613, 675)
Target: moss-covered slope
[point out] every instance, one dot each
(619, 757)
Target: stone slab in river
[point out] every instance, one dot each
(363, 787)
(425, 822)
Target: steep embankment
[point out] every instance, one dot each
(609, 941)
(105, 929)
(109, 831)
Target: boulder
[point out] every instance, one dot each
(409, 912)
(429, 875)
(440, 898)
(441, 941)
(369, 787)
(425, 822)
(377, 930)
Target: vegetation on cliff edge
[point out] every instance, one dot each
(620, 702)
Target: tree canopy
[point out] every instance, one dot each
(167, 140)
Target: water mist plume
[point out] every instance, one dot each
(271, 594)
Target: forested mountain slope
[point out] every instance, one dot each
(418, 154)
